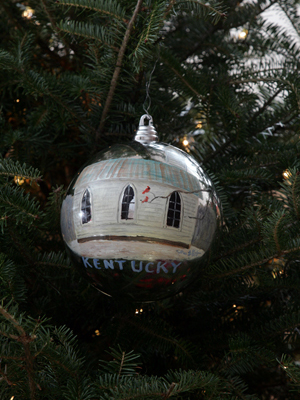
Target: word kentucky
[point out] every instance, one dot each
(136, 266)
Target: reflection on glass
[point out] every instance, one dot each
(174, 210)
(128, 203)
(86, 212)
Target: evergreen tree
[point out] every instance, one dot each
(75, 77)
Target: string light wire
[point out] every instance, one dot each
(148, 98)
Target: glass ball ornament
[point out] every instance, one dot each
(139, 218)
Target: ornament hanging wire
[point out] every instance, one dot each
(148, 98)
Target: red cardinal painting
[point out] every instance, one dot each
(146, 190)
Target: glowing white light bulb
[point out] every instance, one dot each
(243, 34)
(287, 174)
(28, 13)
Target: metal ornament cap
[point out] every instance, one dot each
(146, 133)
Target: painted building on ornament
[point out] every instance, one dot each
(140, 202)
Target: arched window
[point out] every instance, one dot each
(128, 203)
(86, 208)
(174, 210)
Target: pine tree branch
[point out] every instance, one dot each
(276, 234)
(90, 5)
(55, 360)
(267, 6)
(245, 267)
(25, 340)
(29, 366)
(166, 338)
(14, 20)
(52, 264)
(226, 144)
(255, 264)
(170, 390)
(10, 318)
(291, 21)
(54, 26)
(266, 104)
(296, 91)
(254, 80)
(237, 249)
(169, 8)
(117, 71)
(187, 84)
(20, 209)
(5, 356)
(175, 67)
(122, 362)
(218, 151)
(56, 98)
(294, 196)
(88, 31)
(30, 260)
(272, 80)
(4, 377)
(73, 113)
(10, 336)
(208, 7)
(284, 329)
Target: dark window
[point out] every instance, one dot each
(128, 203)
(86, 209)
(173, 218)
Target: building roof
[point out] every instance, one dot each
(155, 162)
(138, 168)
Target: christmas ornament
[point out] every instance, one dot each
(139, 218)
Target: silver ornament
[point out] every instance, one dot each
(139, 218)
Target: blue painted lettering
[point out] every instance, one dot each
(108, 264)
(134, 268)
(175, 266)
(121, 262)
(96, 263)
(86, 263)
(160, 266)
(148, 266)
